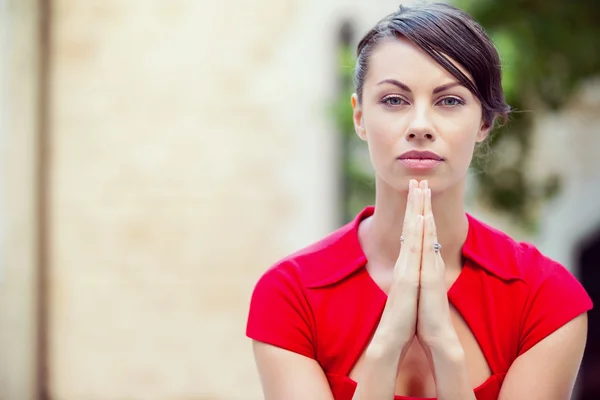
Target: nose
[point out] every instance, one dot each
(420, 127)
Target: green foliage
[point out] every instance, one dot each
(358, 188)
(547, 49)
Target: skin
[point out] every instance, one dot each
(424, 206)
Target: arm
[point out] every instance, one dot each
(549, 369)
(397, 327)
(288, 375)
(380, 368)
(447, 361)
(284, 374)
(434, 326)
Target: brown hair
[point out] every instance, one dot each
(443, 31)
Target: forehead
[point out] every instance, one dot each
(397, 57)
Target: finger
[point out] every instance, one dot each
(427, 200)
(408, 264)
(412, 186)
(410, 255)
(410, 202)
(432, 271)
(417, 207)
(423, 185)
(411, 249)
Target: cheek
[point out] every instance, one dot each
(382, 139)
(461, 139)
(383, 130)
(463, 127)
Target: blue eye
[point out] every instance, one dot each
(451, 102)
(393, 101)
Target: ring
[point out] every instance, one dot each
(437, 247)
(401, 238)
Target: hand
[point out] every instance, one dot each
(434, 326)
(399, 320)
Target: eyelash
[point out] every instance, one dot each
(385, 100)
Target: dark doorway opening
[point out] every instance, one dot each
(588, 260)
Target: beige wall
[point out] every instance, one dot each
(18, 224)
(190, 150)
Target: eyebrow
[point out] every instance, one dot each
(404, 87)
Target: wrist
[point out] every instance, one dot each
(442, 339)
(386, 342)
(448, 362)
(379, 371)
(447, 348)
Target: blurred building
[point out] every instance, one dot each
(157, 157)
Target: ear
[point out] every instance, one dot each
(484, 131)
(357, 116)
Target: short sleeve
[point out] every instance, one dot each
(555, 298)
(279, 313)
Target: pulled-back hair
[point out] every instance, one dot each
(444, 32)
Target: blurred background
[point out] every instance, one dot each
(157, 156)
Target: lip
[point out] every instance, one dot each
(420, 155)
(420, 159)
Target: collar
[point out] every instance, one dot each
(340, 254)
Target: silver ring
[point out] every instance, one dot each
(401, 238)
(437, 247)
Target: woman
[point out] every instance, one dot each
(376, 310)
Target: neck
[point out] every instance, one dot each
(383, 231)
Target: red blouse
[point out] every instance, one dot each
(322, 303)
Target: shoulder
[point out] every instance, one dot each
(324, 262)
(508, 258)
(283, 290)
(542, 293)
(546, 286)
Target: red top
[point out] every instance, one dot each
(322, 303)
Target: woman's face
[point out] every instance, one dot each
(412, 104)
